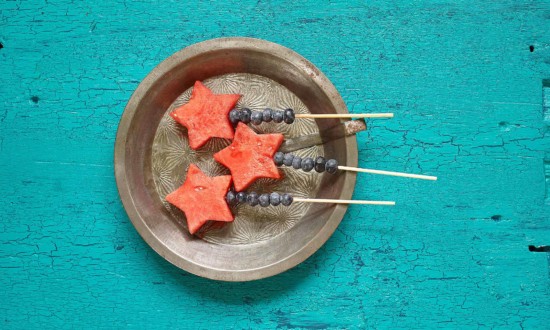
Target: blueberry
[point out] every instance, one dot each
(234, 116)
(267, 115)
(264, 200)
(331, 166)
(256, 117)
(245, 115)
(308, 164)
(275, 199)
(286, 199)
(241, 197)
(230, 197)
(320, 164)
(297, 162)
(288, 159)
(278, 116)
(278, 158)
(289, 116)
(252, 199)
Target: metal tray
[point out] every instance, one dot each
(152, 157)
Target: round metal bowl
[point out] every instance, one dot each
(135, 160)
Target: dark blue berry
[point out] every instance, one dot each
(331, 166)
(230, 197)
(278, 116)
(252, 199)
(256, 117)
(320, 164)
(307, 164)
(278, 158)
(297, 162)
(245, 115)
(288, 159)
(286, 199)
(289, 116)
(275, 199)
(264, 200)
(234, 116)
(241, 197)
(267, 115)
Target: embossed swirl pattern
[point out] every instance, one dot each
(171, 157)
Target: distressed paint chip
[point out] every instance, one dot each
(546, 101)
(547, 180)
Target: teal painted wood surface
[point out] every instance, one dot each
(467, 92)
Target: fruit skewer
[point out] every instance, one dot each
(203, 198)
(208, 115)
(251, 156)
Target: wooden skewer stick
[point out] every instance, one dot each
(344, 115)
(341, 201)
(406, 175)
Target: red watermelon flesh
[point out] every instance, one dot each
(250, 156)
(202, 198)
(206, 115)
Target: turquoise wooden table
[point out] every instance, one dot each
(467, 85)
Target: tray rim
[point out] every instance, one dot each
(252, 44)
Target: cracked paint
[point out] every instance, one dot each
(466, 92)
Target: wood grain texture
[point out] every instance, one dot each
(466, 91)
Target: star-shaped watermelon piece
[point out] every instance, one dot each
(202, 198)
(206, 115)
(250, 156)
